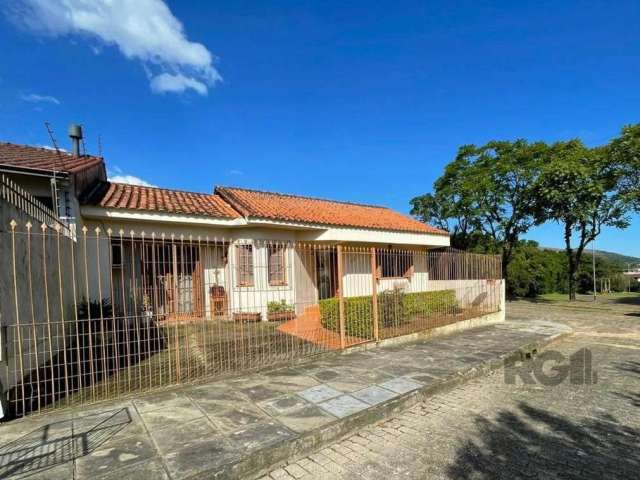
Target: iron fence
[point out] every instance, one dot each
(113, 313)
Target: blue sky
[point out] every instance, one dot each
(360, 101)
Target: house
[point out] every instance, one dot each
(320, 274)
(232, 251)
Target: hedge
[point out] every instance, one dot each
(394, 308)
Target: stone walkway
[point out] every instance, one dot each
(240, 426)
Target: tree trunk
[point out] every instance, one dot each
(571, 262)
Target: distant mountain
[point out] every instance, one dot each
(611, 256)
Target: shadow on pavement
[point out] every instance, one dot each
(60, 442)
(628, 366)
(530, 442)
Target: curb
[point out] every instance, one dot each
(268, 458)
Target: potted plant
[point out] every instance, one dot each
(245, 317)
(280, 311)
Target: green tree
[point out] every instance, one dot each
(484, 192)
(580, 189)
(624, 154)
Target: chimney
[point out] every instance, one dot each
(75, 133)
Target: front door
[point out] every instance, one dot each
(326, 273)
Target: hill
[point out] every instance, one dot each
(613, 257)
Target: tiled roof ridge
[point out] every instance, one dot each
(305, 197)
(154, 187)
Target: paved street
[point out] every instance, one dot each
(491, 429)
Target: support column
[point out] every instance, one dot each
(341, 296)
(374, 295)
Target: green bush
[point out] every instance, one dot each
(278, 307)
(394, 308)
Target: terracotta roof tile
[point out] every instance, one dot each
(277, 206)
(136, 197)
(36, 158)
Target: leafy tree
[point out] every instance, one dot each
(624, 154)
(580, 189)
(485, 192)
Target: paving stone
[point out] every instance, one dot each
(284, 404)
(182, 436)
(212, 456)
(319, 393)
(343, 406)
(161, 400)
(306, 418)
(399, 370)
(147, 470)
(233, 419)
(374, 395)
(221, 393)
(401, 385)
(347, 384)
(165, 417)
(260, 393)
(260, 435)
(326, 374)
(128, 451)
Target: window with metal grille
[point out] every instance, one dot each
(277, 264)
(394, 263)
(244, 260)
(116, 255)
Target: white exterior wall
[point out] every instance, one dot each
(300, 290)
(254, 298)
(357, 275)
(472, 293)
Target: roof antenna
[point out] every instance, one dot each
(100, 146)
(53, 139)
(54, 182)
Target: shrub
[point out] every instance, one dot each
(394, 308)
(279, 307)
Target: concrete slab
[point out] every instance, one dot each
(343, 406)
(262, 392)
(305, 419)
(211, 457)
(260, 435)
(284, 404)
(166, 417)
(234, 419)
(148, 470)
(374, 395)
(401, 385)
(319, 393)
(183, 436)
(127, 452)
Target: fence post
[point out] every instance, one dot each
(341, 296)
(374, 295)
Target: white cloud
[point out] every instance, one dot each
(143, 30)
(35, 98)
(130, 179)
(235, 173)
(166, 82)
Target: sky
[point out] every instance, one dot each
(358, 101)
